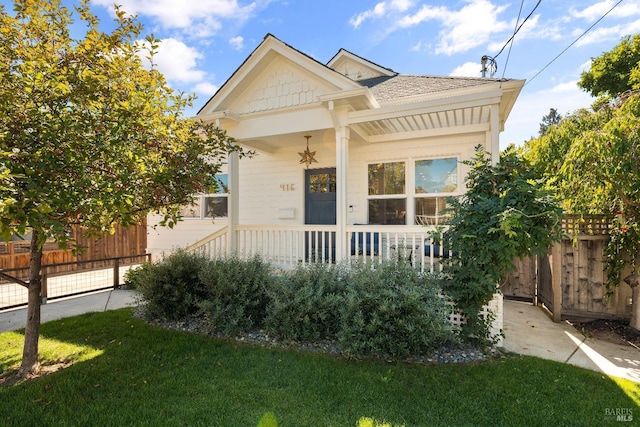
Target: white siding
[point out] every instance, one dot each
(270, 182)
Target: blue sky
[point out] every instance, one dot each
(205, 41)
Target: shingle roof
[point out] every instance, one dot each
(402, 85)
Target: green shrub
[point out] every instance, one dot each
(171, 288)
(393, 311)
(236, 299)
(305, 303)
(134, 275)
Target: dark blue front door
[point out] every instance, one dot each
(320, 208)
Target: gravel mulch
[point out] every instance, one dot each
(454, 353)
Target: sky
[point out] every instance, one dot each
(205, 41)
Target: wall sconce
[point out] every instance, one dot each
(307, 156)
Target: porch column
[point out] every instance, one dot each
(493, 136)
(233, 164)
(342, 165)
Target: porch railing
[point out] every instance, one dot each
(288, 246)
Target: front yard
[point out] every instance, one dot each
(126, 372)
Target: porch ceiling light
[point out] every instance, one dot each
(307, 156)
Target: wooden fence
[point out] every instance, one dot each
(571, 280)
(125, 242)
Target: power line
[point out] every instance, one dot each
(518, 29)
(489, 63)
(504, 69)
(572, 43)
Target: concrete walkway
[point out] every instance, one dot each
(527, 329)
(11, 320)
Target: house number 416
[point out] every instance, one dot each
(286, 187)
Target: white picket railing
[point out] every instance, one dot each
(288, 246)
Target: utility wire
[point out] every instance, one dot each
(572, 43)
(518, 29)
(489, 63)
(504, 69)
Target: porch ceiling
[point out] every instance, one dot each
(452, 120)
(378, 125)
(417, 117)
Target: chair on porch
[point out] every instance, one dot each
(361, 243)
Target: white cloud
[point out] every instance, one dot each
(206, 89)
(584, 66)
(614, 34)
(200, 18)
(178, 62)
(380, 10)
(237, 42)
(597, 10)
(468, 69)
(462, 29)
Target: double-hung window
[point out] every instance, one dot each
(213, 204)
(391, 194)
(435, 181)
(387, 193)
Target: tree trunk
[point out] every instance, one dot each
(634, 281)
(30, 363)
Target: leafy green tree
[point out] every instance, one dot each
(89, 136)
(601, 175)
(591, 159)
(553, 118)
(504, 215)
(614, 72)
(547, 153)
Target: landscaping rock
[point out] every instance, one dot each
(453, 353)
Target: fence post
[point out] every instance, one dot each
(116, 273)
(556, 280)
(43, 286)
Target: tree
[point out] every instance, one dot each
(601, 175)
(592, 159)
(553, 118)
(614, 72)
(504, 215)
(89, 136)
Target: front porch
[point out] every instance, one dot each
(285, 247)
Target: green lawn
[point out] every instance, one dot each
(126, 372)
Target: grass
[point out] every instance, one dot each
(126, 372)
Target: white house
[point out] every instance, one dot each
(352, 159)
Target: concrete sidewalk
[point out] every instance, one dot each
(529, 331)
(98, 301)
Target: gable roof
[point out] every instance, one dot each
(404, 85)
(279, 90)
(356, 67)
(344, 72)
(270, 48)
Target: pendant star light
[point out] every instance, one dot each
(307, 156)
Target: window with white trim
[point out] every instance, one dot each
(389, 194)
(435, 181)
(387, 199)
(214, 204)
